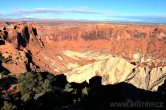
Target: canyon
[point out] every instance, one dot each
(118, 52)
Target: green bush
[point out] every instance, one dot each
(32, 85)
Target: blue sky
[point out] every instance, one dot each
(103, 10)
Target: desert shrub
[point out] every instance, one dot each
(5, 60)
(84, 92)
(8, 59)
(1, 58)
(68, 88)
(32, 86)
(3, 71)
(8, 106)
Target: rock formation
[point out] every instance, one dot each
(15, 39)
(130, 53)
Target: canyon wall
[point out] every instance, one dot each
(130, 53)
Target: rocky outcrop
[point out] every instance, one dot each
(19, 34)
(14, 42)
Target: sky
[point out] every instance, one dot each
(98, 10)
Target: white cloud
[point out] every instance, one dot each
(79, 13)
